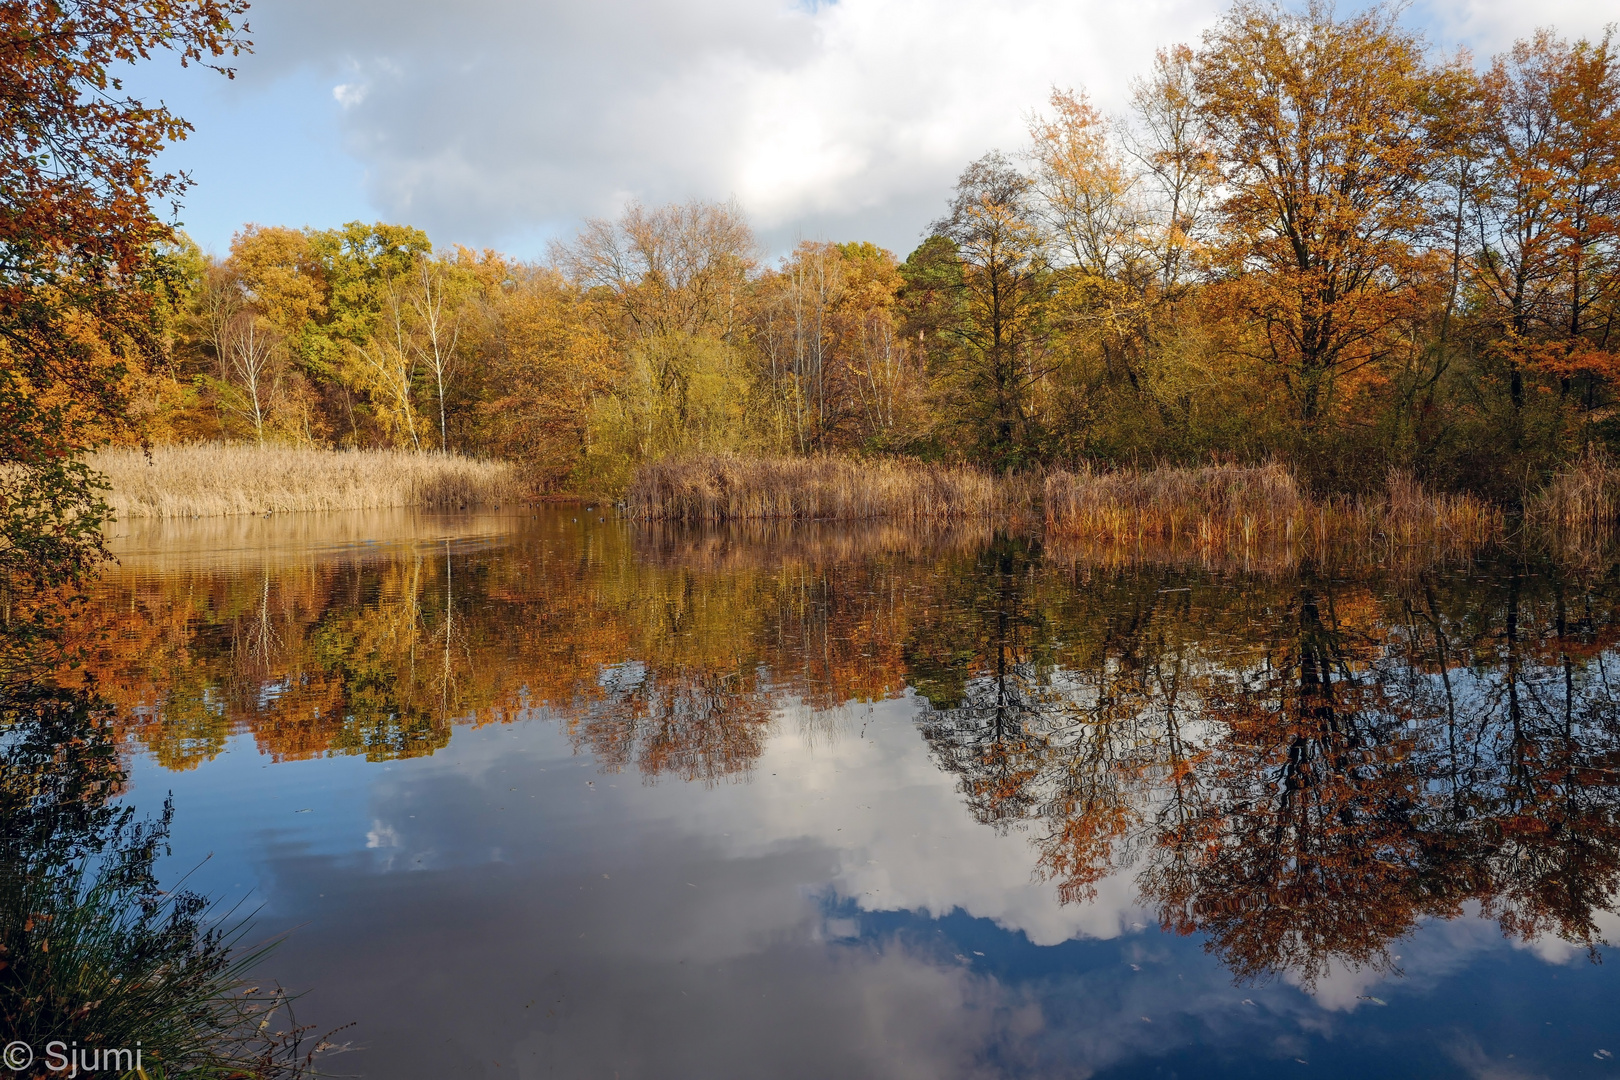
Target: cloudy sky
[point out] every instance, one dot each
(507, 122)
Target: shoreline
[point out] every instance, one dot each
(1210, 509)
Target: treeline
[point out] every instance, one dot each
(1311, 239)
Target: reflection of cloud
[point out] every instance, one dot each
(1555, 950)
(1438, 949)
(381, 835)
(903, 838)
(1468, 1054)
(671, 929)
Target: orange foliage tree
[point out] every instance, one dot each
(78, 228)
(1316, 127)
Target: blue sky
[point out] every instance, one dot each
(504, 123)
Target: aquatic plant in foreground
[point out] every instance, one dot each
(97, 963)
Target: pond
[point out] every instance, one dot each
(554, 794)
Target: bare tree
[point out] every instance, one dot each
(250, 353)
(439, 322)
(673, 270)
(390, 365)
(1169, 142)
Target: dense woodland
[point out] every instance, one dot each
(1312, 238)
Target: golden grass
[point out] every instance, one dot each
(1257, 509)
(1582, 503)
(715, 488)
(214, 480)
(1575, 515)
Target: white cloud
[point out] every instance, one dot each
(494, 121)
(349, 95)
(1490, 26)
(484, 120)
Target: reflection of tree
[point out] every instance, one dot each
(93, 952)
(980, 670)
(1306, 843)
(384, 655)
(698, 725)
(1299, 769)
(1299, 772)
(1530, 759)
(58, 771)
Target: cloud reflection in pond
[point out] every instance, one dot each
(914, 808)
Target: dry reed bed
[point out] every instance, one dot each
(213, 480)
(1581, 503)
(1236, 507)
(714, 488)
(1575, 514)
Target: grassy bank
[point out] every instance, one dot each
(715, 488)
(212, 480)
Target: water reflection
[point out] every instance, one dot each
(1297, 768)
(93, 953)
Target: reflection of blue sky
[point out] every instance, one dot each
(506, 122)
(836, 913)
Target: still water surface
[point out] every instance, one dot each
(550, 794)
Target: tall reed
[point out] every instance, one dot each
(714, 488)
(1576, 514)
(212, 480)
(1582, 503)
(1235, 507)
(1214, 504)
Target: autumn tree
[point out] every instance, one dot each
(826, 331)
(1316, 126)
(669, 286)
(885, 386)
(1002, 336)
(1084, 191)
(1548, 205)
(388, 366)
(1107, 284)
(797, 337)
(546, 362)
(79, 201)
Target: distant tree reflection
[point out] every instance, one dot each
(1297, 766)
(983, 671)
(1304, 786)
